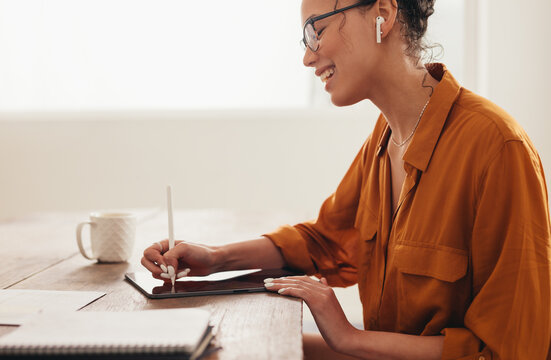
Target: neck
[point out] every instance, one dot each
(401, 97)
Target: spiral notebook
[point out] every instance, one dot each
(182, 332)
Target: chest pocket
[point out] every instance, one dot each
(442, 263)
(431, 286)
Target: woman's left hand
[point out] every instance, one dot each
(323, 304)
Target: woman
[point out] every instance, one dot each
(442, 219)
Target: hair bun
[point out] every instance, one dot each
(413, 15)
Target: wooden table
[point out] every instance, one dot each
(40, 252)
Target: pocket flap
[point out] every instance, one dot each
(442, 263)
(369, 231)
(366, 222)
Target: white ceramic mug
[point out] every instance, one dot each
(111, 234)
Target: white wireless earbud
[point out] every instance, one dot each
(379, 20)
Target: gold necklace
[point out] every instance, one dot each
(414, 128)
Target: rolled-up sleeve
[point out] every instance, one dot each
(509, 316)
(293, 248)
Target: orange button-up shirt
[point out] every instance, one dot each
(467, 252)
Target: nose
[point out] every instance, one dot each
(310, 57)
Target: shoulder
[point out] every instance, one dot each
(483, 126)
(485, 130)
(479, 114)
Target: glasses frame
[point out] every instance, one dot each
(312, 20)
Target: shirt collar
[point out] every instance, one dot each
(432, 122)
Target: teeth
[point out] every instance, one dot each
(327, 74)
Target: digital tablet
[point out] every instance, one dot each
(227, 282)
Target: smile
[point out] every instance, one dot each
(327, 74)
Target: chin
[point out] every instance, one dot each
(341, 101)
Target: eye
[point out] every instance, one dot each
(319, 32)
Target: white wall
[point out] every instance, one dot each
(281, 159)
(518, 61)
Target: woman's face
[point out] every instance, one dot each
(347, 50)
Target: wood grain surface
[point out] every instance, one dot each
(42, 254)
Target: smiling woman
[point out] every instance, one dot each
(442, 219)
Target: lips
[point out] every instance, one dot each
(326, 74)
(321, 69)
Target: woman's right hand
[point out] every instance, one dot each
(200, 259)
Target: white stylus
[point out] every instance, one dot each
(170, 229)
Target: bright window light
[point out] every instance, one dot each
(145, 54)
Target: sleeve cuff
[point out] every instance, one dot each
(293, 248)
(460, 343)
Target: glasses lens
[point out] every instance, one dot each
(310, 37)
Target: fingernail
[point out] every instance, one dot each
(182, 273)
(163, 267)
(171, 271)
(268, 284)
(165, 276)
(268, 280)
(280, 291)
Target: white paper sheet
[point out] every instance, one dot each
(17, 306)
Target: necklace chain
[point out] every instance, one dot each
(412, 131)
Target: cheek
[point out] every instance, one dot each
(352, 85)
(354, 67)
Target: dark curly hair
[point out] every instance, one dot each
(413, 16)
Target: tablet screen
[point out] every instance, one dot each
(227, 282)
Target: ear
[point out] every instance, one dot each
(388, 9)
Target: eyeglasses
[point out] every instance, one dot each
(310, 37)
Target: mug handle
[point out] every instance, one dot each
(79, 239)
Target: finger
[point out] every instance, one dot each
(152, 267)
(316, 299)
(297, 284)
(183, 273)
(170, 274)
(159, 244)
(153, 253)
(169, 267)
(158, 248)
(171, 258)
(177, 251)
(302, 278)
(166, 277)
(164, 245)
(295, 280)
(324, 281)
(154, 261)
(296, 292)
